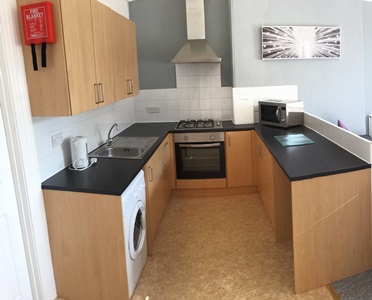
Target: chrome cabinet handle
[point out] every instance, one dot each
(259, 150)
(102, 93)
(96, 92)
(129, 86)
(151, 178)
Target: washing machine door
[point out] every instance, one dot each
(137, 232)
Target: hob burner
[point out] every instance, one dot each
(199, 124)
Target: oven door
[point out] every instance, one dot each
(200, 160)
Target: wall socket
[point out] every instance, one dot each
(153, 109)
(57, 139)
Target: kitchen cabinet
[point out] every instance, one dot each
(86, 236)
(80, 66)
(274, 188)
(125, 57)
(264, 176)
(159, 176)
(239, 164)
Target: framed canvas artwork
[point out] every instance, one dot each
(301, 42)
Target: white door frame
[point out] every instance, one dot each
(23, 157)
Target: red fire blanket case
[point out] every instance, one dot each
(38, 28)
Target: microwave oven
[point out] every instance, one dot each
(281, 113)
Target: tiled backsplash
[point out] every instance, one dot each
(94, 125)
(198, 95)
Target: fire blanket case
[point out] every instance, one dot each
(38, 28)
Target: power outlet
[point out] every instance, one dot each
(153, 109)
(57, 139)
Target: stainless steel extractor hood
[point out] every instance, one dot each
(196, 49)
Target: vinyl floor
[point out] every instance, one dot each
(219, 248)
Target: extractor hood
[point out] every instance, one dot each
(196, 49)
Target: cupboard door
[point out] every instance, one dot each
(132, 74)
(125, 57)
(50, 82)
(265, 178)
(101, 22)
(80, 61)
(239, 158)
(120, 52)
(153, 174)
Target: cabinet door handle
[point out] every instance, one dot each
(229, 137)
(129, 86)
(102, 93)
(150, 174)
(166, 144)
(96, 92)
(259, 150)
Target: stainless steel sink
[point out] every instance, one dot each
(125, 147)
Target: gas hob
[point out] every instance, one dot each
(198, 124)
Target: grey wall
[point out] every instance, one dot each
(331, 89)
(367, 18)
(161, 32)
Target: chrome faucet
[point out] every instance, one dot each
(109, 138)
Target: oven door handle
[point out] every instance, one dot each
(209, 145)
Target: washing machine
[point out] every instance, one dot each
(134, 215)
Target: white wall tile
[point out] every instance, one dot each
(205, 104)
(182, 94)
(193, 81)
(193, 93)
(215, 81)
(204, 81)
(182, 81)
(216, 92)
(194, 104)
(216, 114)
(205, 93)
(216, 103)
(183, 104)
(171, 94)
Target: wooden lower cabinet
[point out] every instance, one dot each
(89, 258)
(264, 175)
(328, 218)
(239, 164)
(159, 176)
(331, 228)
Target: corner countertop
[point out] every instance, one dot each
(112, 176)
(308, 161)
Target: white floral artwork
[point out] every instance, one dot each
(300, 42)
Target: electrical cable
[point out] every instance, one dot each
(73, 167)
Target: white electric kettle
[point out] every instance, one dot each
(79, 152)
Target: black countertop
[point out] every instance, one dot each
(112, 176)
(308, 161)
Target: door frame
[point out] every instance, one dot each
(23, 157)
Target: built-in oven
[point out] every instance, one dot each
(200, 155)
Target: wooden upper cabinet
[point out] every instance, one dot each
(79, 55)
(80, 73)
(239, 166)
(125, 57)
(103, 44)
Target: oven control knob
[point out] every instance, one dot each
(212, 137)
(186, 138)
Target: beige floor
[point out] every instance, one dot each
(219, 248)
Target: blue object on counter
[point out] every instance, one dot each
(293, 140)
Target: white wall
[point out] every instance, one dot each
(330, 89)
